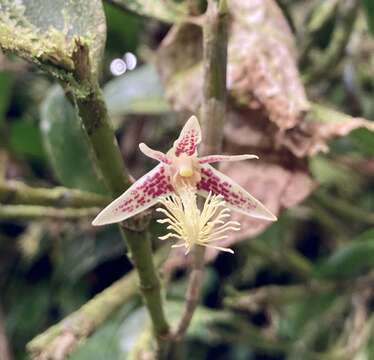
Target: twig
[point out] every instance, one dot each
(193, 291)
(83, 322)
(30, 212)
(16, 192)
(275, 295)
(213, 114)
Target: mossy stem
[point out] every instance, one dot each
(93, 112)
(16, 193)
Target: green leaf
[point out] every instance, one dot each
(124, 30)
(137, 92)
(115, 338)
(81, 253)
(298, 314)
(26, 140)
(166, 10)
(368, 5)
(66, 144)
(6, 81)
(364, 140)
(350, 260)
(329, 173)
(43, 31)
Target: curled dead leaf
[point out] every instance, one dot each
(262, 72)
(268, 112)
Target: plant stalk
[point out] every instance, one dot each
(212, 121)
(31, 212)
(16, 193)
(93, 112)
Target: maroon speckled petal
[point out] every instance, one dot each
(141, 195)
(235, 196)
(217, 158)
(189, 138)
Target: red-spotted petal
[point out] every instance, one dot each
(235, 196)
(216, 158)
(138, 197)
(189, 138)
(154, 154)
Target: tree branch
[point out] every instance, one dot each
(16, 192)
(30, 212)
(83, 322)
(69, 333)
(94, 115)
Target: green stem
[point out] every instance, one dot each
(212, 120)
(31, 212)
(149, 283)
(214, 88)
(193, 291)
(94, 115)
(16, 192)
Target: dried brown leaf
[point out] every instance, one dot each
(268, 113)
(262, 72)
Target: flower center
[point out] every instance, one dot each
(185, 171)
(191, 226)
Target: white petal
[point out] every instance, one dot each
(141, 195)
(154, 154)
(216, 158)
(235, 196)
(189, 138)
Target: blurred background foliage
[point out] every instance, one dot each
(301, 289)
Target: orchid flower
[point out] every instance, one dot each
(181, 168)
